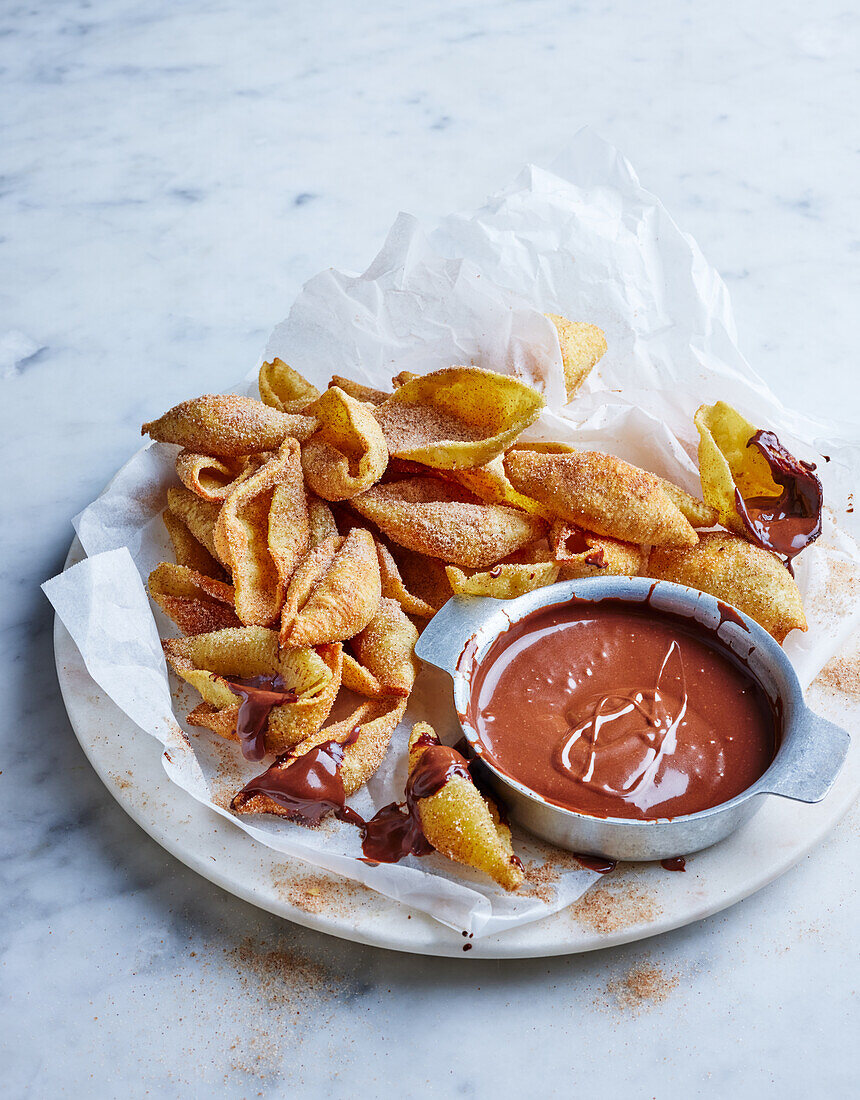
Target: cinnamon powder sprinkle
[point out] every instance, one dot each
(841, 674)
(642, 987)
(281, 977)
(606, 909)
(318, 894)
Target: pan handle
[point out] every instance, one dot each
(813, 760)
(444, 638)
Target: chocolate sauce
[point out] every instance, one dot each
(597, 557)
(617, 710)
(258, 694)
(392, 834)
(308, 786)
(596, 863)
(674, 863)
(729, 615)
(573, 543)
(789, 522)
(395, 832)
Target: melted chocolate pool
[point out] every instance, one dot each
(616, 710)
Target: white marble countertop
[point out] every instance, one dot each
(171, 175)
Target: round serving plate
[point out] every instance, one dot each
(633, 902)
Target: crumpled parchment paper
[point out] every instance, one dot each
(585, 240)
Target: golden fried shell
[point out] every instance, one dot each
(187, 550)
(227, 425)
(602, 494)
(197, 603)
(463, 825)
(334, 593)
(417, 582)
(359, 391)
(458, 417)
(504, 581)
(284, 389)
(582, 346)
(582, 554)
(385, 648)
(738, 572)
(262, 532)
(347, 453)
(697, 513)
(365, 735)
(198, 516)
(206, 660)
(439, 519)
(212, 478)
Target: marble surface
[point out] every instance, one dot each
(171, 174)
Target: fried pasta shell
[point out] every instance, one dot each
(262, 532)
(504, 581)
(583, 554)
(284, 389)
(206, 660)
(347, 453)
(727, 464)
(359, 391)
(365, 735)
(441, 520)
(458, 417)
(417, 582)
(198, 516)
(736, 571)
(197, 603)
(386, 649)
(603, 494)
(211, 478)
(334, 593)
(227, 426)
(321, 522)
(188, 551)
(461, 824)
(696, 512)
(582, 347)
(491, 483)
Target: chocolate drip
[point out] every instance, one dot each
(575, 542)
(308, 786)
(787, 523)
(259, 694)
(596, 863)
(392, 834)
(674, 863)
(395, 831)
(729, 615)
(597, 557)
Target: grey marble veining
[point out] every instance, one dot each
(169, 176)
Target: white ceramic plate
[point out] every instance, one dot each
(633, 902)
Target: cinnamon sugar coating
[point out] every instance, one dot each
(734, 570)
(198, 604)
(227, 425)
(334, 593)
(439, 519)
(603, 494)
(461, 824)
(207, 660)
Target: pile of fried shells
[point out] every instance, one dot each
(315, 535)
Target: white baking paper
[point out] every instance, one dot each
(584, 240)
